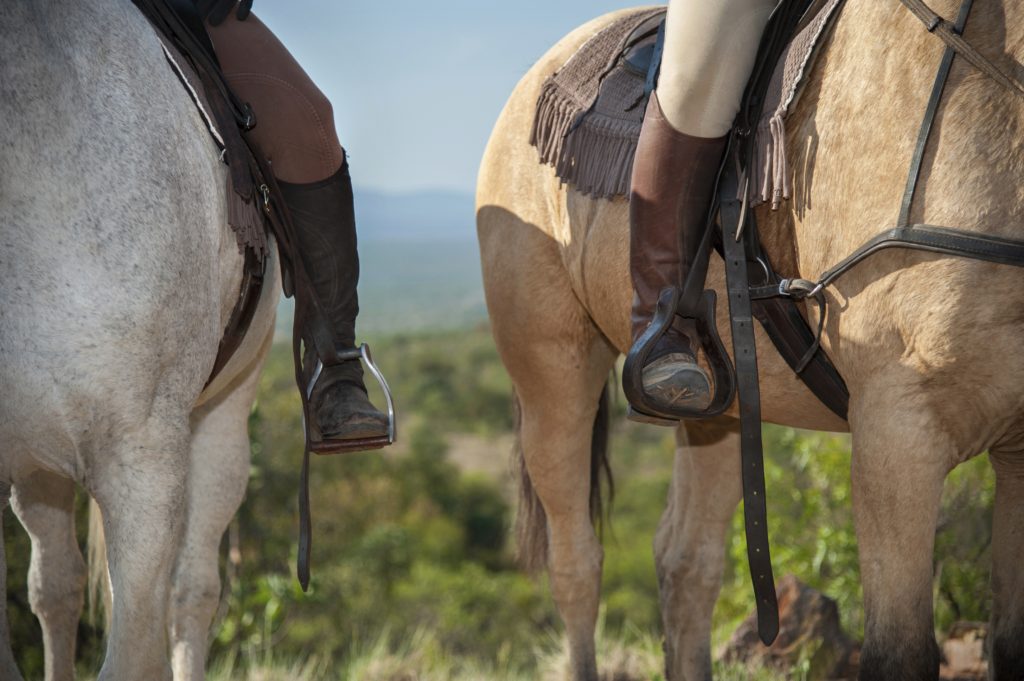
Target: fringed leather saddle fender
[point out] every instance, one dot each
(775, 296)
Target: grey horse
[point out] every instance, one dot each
(117, 275)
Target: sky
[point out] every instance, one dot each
(417, 86)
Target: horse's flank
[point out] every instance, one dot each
(94, 144)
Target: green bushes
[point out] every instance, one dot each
(412, 560)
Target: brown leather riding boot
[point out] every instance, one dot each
(325, 229)
(673, 178)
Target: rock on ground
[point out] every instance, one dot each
(809, 634)
(963, 653)
(811, 638)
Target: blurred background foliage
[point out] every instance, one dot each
(412, 553)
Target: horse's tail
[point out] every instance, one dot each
(531, 521)
(99, 575)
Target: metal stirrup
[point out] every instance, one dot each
(361, 353)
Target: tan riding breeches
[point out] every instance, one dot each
(294, 120)
(710, 47)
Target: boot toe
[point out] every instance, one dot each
(346, 413)
(676, 380)
(356, 427)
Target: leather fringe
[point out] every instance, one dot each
(245, 221)
(595, 156)
(555, 115)
(770, 162)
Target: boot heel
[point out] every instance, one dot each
(634, 414)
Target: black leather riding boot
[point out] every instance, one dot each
(673, 178)
(325, 229)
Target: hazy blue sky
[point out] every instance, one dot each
(416, 86)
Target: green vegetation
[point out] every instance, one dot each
(413, 574)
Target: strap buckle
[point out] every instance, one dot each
(800, 288)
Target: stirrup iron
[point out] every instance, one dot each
(363, 354)
(722, 372)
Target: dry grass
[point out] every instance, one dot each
(421, 659)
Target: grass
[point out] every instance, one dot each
(629, 657)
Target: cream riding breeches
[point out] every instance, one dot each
(710, 47)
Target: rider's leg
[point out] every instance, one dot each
(295, 130)
(709, 52)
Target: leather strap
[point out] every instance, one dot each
(951, 35)
(929, 117)
(305, 525)
(168, 22)
(188, 14)
(654, 69)
(788, 331)
(735, 246)
(755, 510)
(253, 277)
(935, 240)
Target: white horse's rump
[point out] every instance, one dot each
(117, 276)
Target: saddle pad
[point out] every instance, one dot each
(589, 112)
(770, 174)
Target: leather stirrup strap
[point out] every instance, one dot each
(305, 525)
(755, 509)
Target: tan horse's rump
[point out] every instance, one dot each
(935, 370)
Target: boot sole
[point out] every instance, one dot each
(676, 384)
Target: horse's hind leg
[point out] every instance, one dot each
(218, 474)
(900, 460)
(8, 668)
(140, 490)
(559, 401)
(45, 504)
(689, 547)
(559, 364)
(1006, 638)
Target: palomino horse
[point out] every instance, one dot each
(117, 276)
(930, 346)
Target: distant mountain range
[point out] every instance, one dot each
(414, 216)
(419, 264)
